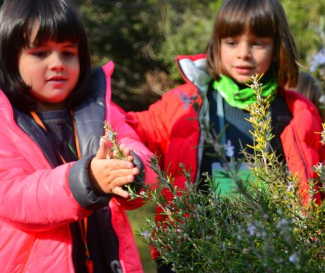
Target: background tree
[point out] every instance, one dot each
(143, 38)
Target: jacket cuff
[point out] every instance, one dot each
(138, 182)
(81, 188)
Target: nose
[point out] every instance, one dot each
(244, 51)
(57, 62)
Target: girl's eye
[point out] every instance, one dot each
(40, 54)
(258, 43)
(262, 42)
(69, 54)
(230, 42)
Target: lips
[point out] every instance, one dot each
(57, 81)
(244, 69)
(57, 78)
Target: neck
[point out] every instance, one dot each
(46, 106)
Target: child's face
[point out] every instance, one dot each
(52, 70)
(246, 55)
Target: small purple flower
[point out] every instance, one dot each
(251, 229)
(110, 135)
(145, 234)
(289, 187)
(229, 149)
(294, 258)
(317, 60)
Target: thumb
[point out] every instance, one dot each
(102, 150)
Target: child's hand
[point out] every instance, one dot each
(108, 174)
(126, 152)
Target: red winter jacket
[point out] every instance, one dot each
(170, 127)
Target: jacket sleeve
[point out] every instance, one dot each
(301, 143)
(154, 125)
(81, 187)
(33, 196)
(157, 125)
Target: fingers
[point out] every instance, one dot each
(122, 181)
(107, 174)
(110, 175)
(120, 192)
(130, 158)
(115, 186)
(126, 151)
(120, 169)
(102, 150)
(117, 164)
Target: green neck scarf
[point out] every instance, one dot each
(241, 98)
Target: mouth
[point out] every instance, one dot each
(244, 69)
(57, 78)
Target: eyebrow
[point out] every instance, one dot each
(45, 44)
(70, 45)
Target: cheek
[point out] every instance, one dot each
(75, 75)
(222, 55)
(225, 60)
(225, 57)
(25, 75)
(267, 62)
(21, 69)
(269, 57)
(75, 68)
(28, 70)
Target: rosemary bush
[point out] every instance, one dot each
(263, 227)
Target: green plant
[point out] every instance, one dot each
(257, 229)
(110, 136)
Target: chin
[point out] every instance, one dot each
(243, 81)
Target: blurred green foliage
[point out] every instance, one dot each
(143, 37)
(138, 222)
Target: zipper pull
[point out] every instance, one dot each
(90, 266)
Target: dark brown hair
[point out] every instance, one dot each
(59, 22)
(263, 18)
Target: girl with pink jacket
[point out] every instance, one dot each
(62, 199)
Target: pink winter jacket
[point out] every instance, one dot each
(37, 204)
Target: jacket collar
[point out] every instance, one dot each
(193, 70)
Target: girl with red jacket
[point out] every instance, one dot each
(62, 201)
(249, 37)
